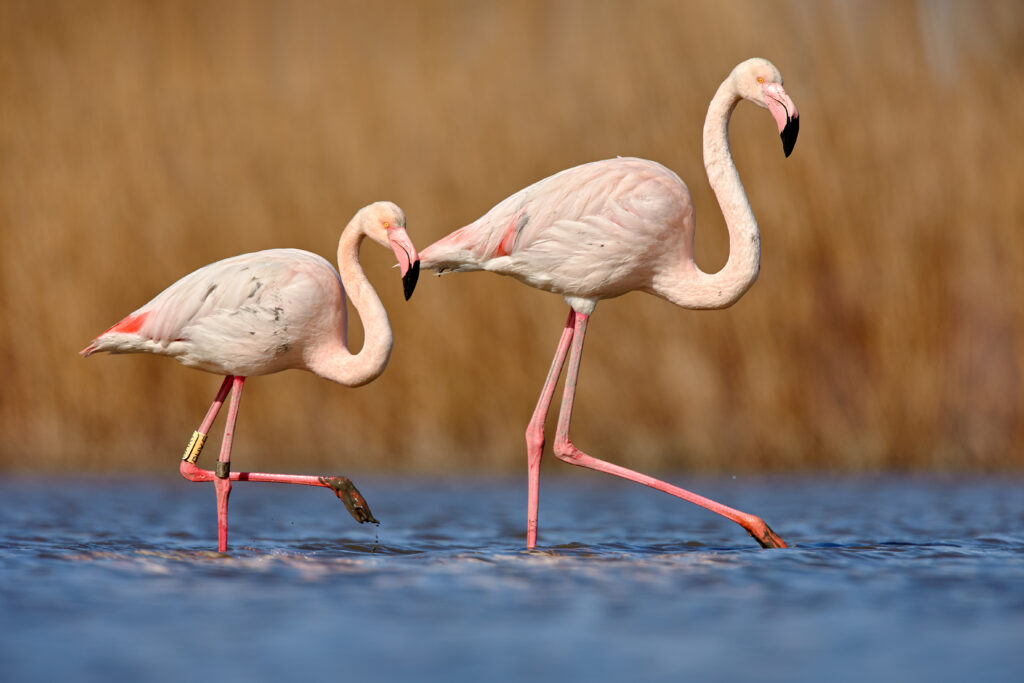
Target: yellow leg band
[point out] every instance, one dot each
(195, 447)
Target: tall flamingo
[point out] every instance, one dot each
(268, 311)
(605, 228)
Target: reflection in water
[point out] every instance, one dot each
(102, 581)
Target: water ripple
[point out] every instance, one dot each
(633, 584)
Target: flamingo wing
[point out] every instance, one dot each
(595, 230)
(230, 315)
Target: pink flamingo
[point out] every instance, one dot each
(268, 311)
(609, 227)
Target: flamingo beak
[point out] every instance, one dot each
(408, 259)
(789, 133)
(410, 278)
(785, 114)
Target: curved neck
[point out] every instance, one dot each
(333, 360)
(721, 289)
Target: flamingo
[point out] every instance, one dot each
(268, 311)
(602, 229)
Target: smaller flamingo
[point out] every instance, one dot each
(268, 311)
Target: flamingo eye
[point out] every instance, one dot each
(760, 79)
(386, 225)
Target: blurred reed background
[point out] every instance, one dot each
(141, 140)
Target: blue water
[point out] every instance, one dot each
(889, 579)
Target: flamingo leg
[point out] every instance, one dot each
(222, 482)
(198, 440)
(565, 450)
(535, 431)
(342, 486)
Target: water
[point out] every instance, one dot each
(889, 578)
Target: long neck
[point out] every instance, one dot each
(333, 361)
(718, 290)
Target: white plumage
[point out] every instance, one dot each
(246, 315)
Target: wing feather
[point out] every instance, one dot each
(229, 305)
(591, 230)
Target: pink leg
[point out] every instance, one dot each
(535, 432)
(341, 486)
(211, 414)
(195, 445)
(222, 482)
(565, 450)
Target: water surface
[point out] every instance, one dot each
(888, 578)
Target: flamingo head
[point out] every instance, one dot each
(384, 223)
(760, 82)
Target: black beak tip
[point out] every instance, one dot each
(410, 278)
(789, 134)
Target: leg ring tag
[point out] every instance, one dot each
(195, 447)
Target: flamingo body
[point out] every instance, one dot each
(605, 228)
(595, 231)
(248, 315)
(265, 312)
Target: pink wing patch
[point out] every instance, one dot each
(508, 240)
(129, 325)
(132, 323)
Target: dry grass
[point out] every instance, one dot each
(139, 141)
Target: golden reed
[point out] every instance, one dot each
(139, 141)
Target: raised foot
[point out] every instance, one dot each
(350, 496)
(763, 534)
